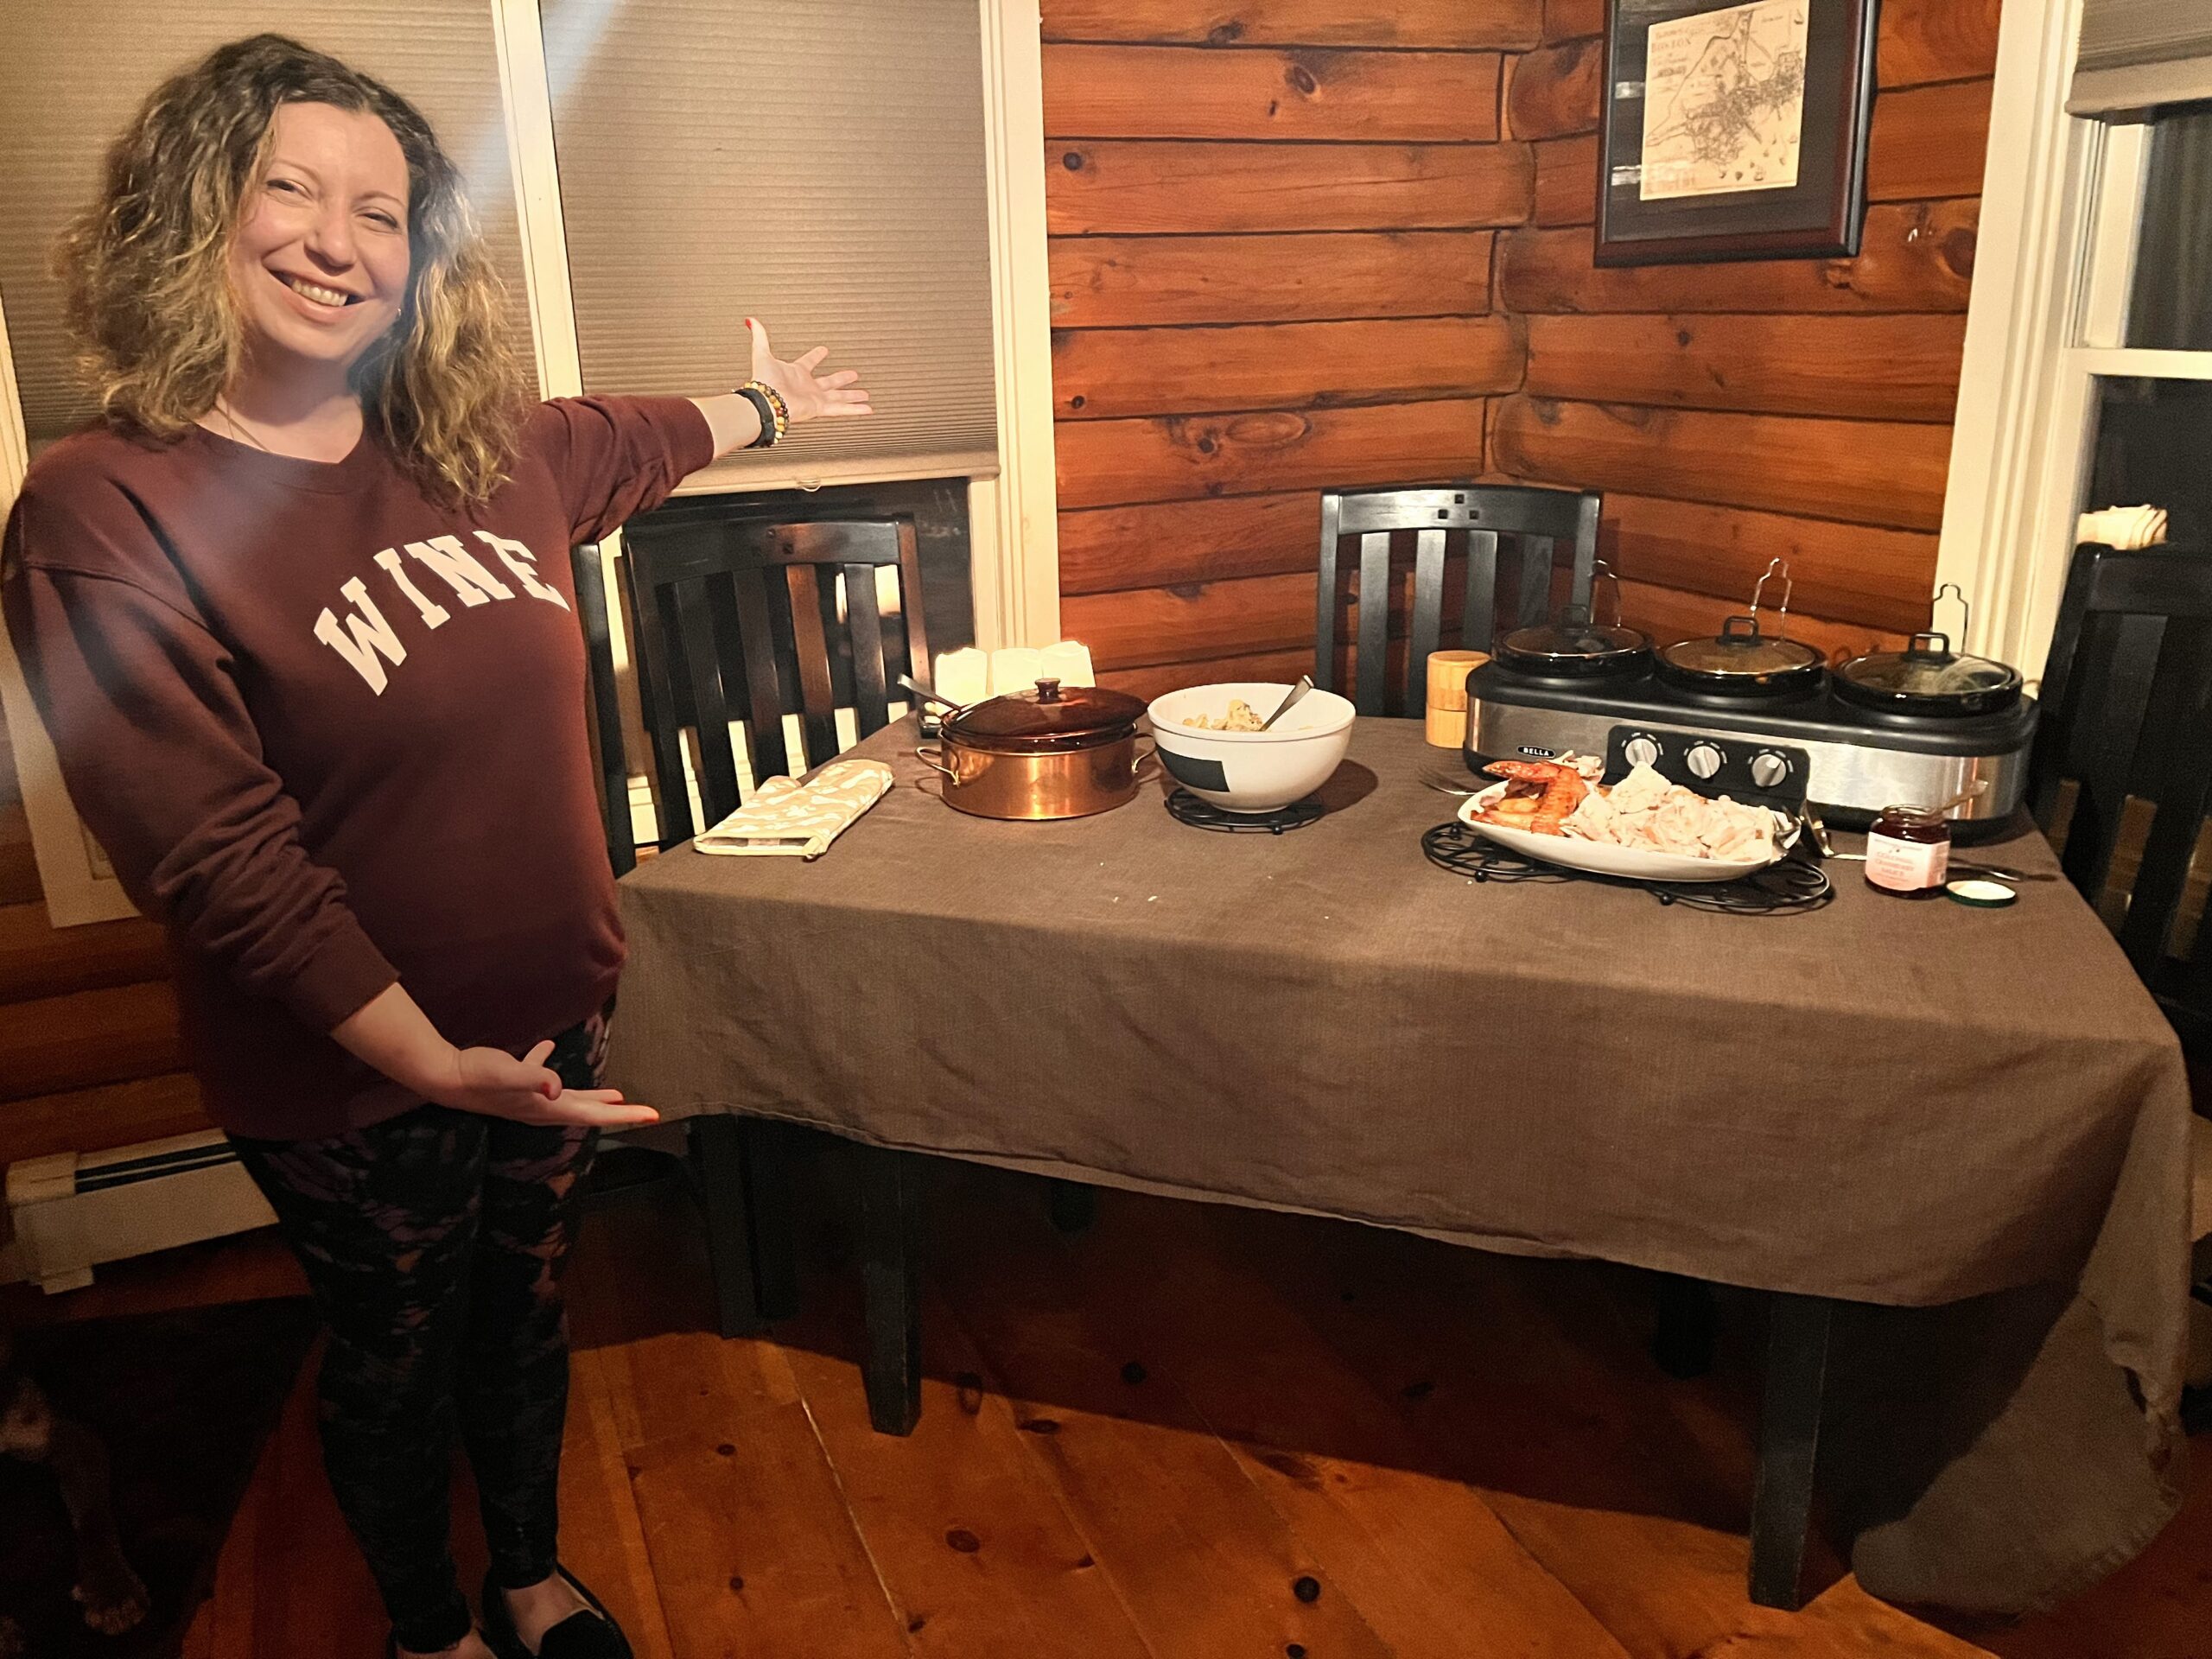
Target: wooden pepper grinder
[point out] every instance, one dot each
(1447, 695)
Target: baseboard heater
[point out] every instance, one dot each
(72, 1210)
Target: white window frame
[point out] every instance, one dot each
(2061, 219)
(1014, 524)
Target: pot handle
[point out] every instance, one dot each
(1151, 754)
(932, 756)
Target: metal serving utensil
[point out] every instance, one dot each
(1305, 684)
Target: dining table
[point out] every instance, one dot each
(1953, 1142)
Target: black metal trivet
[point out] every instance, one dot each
(1187, 808)
(1782, 889)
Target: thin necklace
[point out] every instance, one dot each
(238, 427)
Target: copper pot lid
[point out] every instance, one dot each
(1046, 718)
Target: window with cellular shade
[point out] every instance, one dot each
(2138, 54)
(820, 166)
(72, 76)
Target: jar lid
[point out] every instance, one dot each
(1047, 715)
(1980, 893)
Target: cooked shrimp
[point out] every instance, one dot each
(1562, 791)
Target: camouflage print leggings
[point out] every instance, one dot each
(434, 1242)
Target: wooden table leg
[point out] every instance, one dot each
(890, 1270)
(769, 1155)
(1073, 1205)
(1789, 1436)
(718, 1156)
(1681, 1345)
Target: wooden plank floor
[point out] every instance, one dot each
(1191, 1433)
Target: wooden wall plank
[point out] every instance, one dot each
(1556, 90)
(1512, 25)
(1184, 92)
(87, 1038)
(1865, 472)
(1928, 142)
(38, 959)
(1132, 186)
(1161, 543)
(1851, 573)
(1668, 615)
(1566, 180)
(1900, 367)
(19, 881)
(100, 1119)
(1937, 40)
(1915, 258)
(1567, 20)
(1098, 373)
(11, 788)
(1104, 463)
(1158, 679)
(1110, 280)
(1213, 619)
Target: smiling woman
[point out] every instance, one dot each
(297, 615)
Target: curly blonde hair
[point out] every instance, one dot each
(146, 273)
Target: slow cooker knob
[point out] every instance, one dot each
(1703, 760)
(1769, 769)
(1641, 751)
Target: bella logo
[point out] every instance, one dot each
(366, 641)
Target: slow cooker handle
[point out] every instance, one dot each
(932, 756)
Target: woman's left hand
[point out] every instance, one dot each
(807, 395)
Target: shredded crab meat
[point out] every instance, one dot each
(1646, 812)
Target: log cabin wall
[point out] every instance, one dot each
(1731, 412)
(89, 1055)
(1297, 243)
(1273, 228)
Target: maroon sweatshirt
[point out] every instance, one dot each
(332, 735)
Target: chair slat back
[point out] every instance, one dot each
(1431, 524)
(748, 621)
(2127, 720)
(610, 763)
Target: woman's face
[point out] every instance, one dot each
(320, 263)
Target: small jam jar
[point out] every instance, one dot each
(1908, 852)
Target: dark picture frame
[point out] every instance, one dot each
(1818, 217)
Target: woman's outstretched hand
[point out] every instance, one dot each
(807, 395)
(495, 1083)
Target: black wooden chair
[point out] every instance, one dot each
(2121, 780)
(2125, 735)
(1457, 524)
(759, 620)
(767, 619)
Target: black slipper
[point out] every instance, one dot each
(593, 1635)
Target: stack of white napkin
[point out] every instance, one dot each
(2123, 527)
(789, 818)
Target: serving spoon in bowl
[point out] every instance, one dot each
(1305, 684)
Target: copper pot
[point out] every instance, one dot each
(1044, 753)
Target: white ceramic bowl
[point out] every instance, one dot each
(1251, 772)
(1603, 858)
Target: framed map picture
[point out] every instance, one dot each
(1734, 131)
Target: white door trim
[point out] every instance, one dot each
(1013, 520)
(2018, 446)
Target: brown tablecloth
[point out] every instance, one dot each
(1896, 1104)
